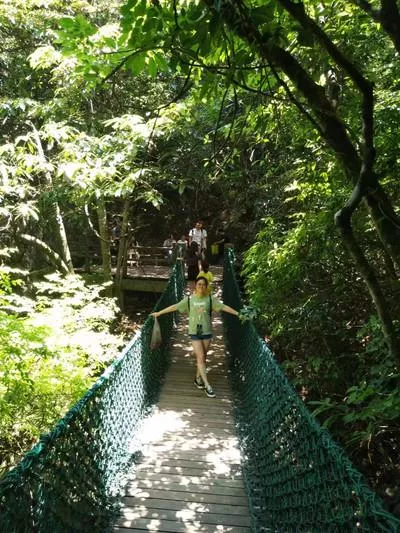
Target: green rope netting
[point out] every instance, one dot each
(297, 478)
(72, 479)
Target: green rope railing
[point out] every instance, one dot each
(297, 478)
(72, 479)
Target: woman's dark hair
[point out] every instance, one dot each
(203, 278)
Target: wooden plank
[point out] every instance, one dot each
(191, 479)
(232, 513)
(194, 469)
(215, 367)
(187, 380)
(189, 415)
(200, 399)
(187, 463)
(203, 413)
(212, 487)
(197, 512)
(207, 433)
(188, 388)
(173, 526)
(225, 504)
(204, 455)
(211, 446)
(191, 395)
(201, 420)
(232, 474)
(188, 439)
(209, 424)
(207, 407)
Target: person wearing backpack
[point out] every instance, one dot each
(192, 261)
(199, 234)
(199, 306)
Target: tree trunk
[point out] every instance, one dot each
(343, 222)
(56, 216)
(53, 256)
(122, 251)
(386, 222)
(104, 239)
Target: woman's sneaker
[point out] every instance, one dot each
(199, 383)
(210, 392)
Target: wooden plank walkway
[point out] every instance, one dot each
(189, 478)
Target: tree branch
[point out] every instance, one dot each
(50, 254)
(86, 209)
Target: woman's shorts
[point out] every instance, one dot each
(200, 337)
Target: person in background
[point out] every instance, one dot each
(199, 235)
(199, 306)
(192, 261)
(169, 243)
(181, 245)
(205, 273)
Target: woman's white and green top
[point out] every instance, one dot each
(199, 309)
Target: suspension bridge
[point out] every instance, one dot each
(144, 450)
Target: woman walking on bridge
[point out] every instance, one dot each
(199, 306)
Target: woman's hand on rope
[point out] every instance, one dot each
(156, 314)
(247, 313)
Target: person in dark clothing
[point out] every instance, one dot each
(192, 261)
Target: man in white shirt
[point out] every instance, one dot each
(199, 235)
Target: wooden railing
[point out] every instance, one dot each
(139, 256)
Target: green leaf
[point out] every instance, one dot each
(136, 63)
(152, 67)
(140, 8)
(263, 14)
(161, 62)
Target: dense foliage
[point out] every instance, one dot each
(55, 340)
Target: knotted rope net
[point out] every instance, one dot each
(297, 478)
(72, 479)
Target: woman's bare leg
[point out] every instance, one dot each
(206, 347)
(200, 354)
